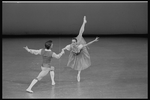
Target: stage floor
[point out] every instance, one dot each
(119, 69)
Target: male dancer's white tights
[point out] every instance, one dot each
(43, 73)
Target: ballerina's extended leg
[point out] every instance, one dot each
(79, 37)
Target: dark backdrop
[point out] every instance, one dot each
(67, 18)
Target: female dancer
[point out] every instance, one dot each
(79, 58)
(46, 67)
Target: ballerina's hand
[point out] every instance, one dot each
(62, 51)
(96, 39)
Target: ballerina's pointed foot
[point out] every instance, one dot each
(29, 90)
(84, 17)
(85, 21)
(53, 83)
(78, 78)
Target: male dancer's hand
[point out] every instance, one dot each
(62, 51)
(26, 48)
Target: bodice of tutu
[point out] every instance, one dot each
(75, 49)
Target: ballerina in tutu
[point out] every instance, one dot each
(79, 58)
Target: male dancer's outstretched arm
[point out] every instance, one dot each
(38, 52)
(57, 56)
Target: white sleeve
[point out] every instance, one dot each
(36, 52)
(57, 56)
(67, 47)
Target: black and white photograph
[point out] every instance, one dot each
(75, 49)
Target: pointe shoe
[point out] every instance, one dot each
(78, 79)
(85, 19)
(28, 90)
(53, 83)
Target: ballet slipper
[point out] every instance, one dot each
(29, 90)
(78, 78)
(53, 83)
